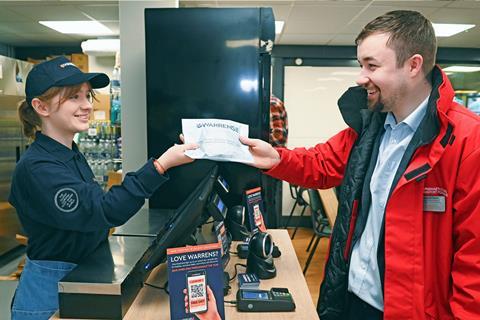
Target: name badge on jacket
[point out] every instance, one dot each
(434, 199)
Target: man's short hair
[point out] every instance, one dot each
(410, 33)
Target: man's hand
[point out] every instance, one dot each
(264, 155)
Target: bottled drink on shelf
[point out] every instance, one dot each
(115, 93)
(101, 146)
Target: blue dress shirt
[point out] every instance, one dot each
(364, 277)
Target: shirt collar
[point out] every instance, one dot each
(55, 148)
(412, 120)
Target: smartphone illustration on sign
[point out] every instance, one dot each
(257, 215)
(197, 291)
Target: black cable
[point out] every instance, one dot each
(233, 252)
(231, 302)
(154, 286)
(164, 288)
(236, 271)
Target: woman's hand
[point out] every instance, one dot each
(175, 156)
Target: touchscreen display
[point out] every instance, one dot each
(220, 205)
(254, 295)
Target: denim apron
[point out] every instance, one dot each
(36, 297)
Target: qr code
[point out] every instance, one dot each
(197, 291)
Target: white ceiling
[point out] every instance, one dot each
(307, 22)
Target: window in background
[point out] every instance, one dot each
(310, 97)
(467, 87)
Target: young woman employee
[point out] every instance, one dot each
(63, 211)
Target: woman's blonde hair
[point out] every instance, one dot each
(31, 121)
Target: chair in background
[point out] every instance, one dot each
(323, 214)
(294, 192)
(330, 204)
(300, 200)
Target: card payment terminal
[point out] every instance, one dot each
(275, 299)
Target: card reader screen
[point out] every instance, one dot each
(220, 205)
(252, 295)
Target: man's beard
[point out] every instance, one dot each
(377, 106)
(384, 104)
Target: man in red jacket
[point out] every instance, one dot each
(405, 244)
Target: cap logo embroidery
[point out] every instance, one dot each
(66, 64)
(66, 200)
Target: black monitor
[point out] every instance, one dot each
(199, 77)
(178, 230)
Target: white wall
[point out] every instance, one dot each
(311, 95)
(132, 51)
(102, 64)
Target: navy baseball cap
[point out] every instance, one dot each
(59, 72)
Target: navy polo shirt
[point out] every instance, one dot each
(63, 211)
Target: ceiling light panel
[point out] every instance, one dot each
(279, 26)
(93, 28)
(450, 29)
(461, 69)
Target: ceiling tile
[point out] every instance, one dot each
(334, 3)
(113, 26)
(309, 27)
(465, 4)
(377, 10)
(186, 4)
(415, 3)
(26, 27)
(447, 15)
(306, 21)
(343, 40)
(281, 12)
(40, 12)
(337, 14)
(101, 12)
(7, 15)
(314, 39)
(53, 37)
(253, 3)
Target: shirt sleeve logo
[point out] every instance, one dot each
(66, 200)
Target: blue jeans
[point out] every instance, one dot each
(36, 297)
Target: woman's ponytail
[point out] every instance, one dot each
(31, 122)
